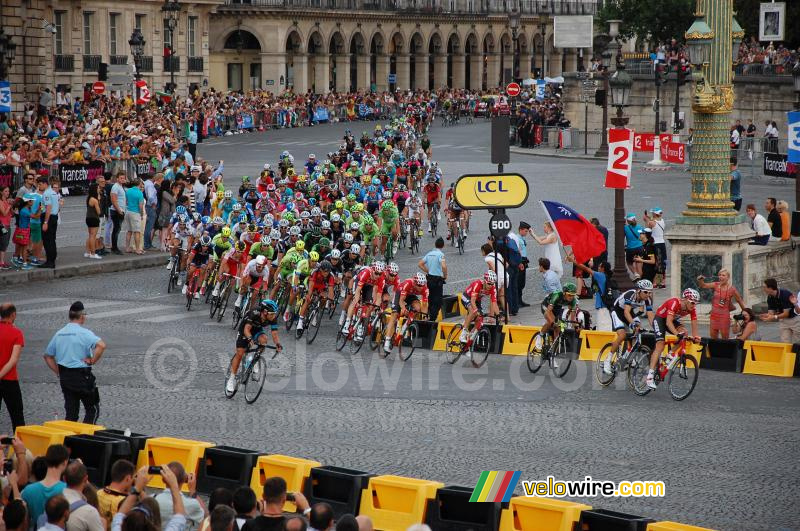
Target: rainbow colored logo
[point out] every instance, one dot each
(495, 486)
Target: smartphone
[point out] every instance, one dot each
(8, 466)
(6, 440)
(154, 470)
(290, 496)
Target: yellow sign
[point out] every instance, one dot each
(504, 190)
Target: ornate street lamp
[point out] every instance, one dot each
(620, 87)
(171, 10)
(8, 51)
(698, 40)
(136, 42)
(605, 60)
(737, 34)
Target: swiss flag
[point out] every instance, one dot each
(575, 231)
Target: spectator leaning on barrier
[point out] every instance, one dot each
(519, 238)
(272, 517)
(745, 326)
(12, 341)
(36, 494)
(112, 495)
(71, 353)
(194, 508)
(117, 209)
(82, 516)
(782, 307)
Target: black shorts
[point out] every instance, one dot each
(660, 327)
(366, 293)
(92, 223)
(630, 253)
(466, 302)
(243, 342)
(409, 300)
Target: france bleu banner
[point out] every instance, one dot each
(321, 114)
(540, 89)
(794, 136)
(5, 96)
(247, 122)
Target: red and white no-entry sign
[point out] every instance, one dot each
(98, 87)
(513, 90)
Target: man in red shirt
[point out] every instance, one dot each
(11, 343)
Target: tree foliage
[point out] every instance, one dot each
(747, 12)
(652, 20)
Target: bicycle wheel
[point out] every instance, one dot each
(460, 241)
(480, 348)
(637, 372)
(257, 373)
(228, 375)
(604, 378)
(312, 324)
(535, 352)
(560, 360)
(358, 335)
(376, 336)
(210, 281)
(645, 352)
(683, 377)
(190, 292)
(341, 340)
(337, 292)
(408, 343)
(172, 277)
(222, 303)
(453, 348)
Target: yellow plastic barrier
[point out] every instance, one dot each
(76, 427)
(159, 451)
(518, 337)
(441, 335)
(395, 502)
(695, 349)
(768, 359)
(524, 514)
(293, 470)
(675, 526)
(462, 310)
(38, 438)
(592, 341)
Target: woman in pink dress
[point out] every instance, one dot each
(721, 303)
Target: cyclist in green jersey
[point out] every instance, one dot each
(301, 271)
(389, 217)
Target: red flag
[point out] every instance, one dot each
(575, 231)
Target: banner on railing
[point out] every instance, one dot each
(778, 165)
(144, 168)
(620, 158)
(80, 175)
(321, 114)
(673, 152)
(364, 110)
(793, 121)
(7, 178)
(245, 121)
(646, 141)
(540, 83)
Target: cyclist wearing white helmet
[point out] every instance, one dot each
(471, 299)
(626, 312)
(413, 293)
(368, 284)
(256, 270)
(667, 320)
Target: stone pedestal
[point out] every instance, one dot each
(704, 250)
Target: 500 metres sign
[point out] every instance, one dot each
(504, 190)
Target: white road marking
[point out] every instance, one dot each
(64, 309)
(130, 311)
(23, 302)
(167, 318)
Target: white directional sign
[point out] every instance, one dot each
(794, 136)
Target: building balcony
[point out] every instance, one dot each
(146, 63)
(118, 59)
(423, 7)
(172, 63)
(65, 63)
(195, 64)
(91, 63)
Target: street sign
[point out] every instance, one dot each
(144, 92)
(620, 158)
(392, 78)
(98, 87)
(794, 136)
(500, 225)
(5, 96)
(482, 192)
(513, 90)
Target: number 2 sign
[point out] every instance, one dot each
(620, 158)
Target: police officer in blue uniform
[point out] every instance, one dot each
(71, 353)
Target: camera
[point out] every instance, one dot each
(290, 496)
(8, 467)
(152, 470)
(738, 317)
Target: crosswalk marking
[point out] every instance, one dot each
(25, 302)
(130, 311)
(443, 145)
(167, 318)
(64, 309)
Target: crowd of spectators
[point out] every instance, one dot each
(752, 51)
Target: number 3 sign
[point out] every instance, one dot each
(620, 158)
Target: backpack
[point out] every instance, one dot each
(611, 294)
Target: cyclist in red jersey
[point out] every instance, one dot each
(368, 284)
(391, 280)
(471, 299)
(407, 293)
(319, 281)
(433, 195)
(667, 320)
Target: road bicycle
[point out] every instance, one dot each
(248, 300)
(620, 359)
(405, 336)
(556, 353)
(282, 295)
(478, 343)
(192, 285)
(211, 280)
(294, 313)
(333, 303)
(460, 239)
(219, 304)
(175, 270)
(413, 236)
(359, 328)
(433, 218)
(313, 318)
(251, 374)
(679, 369)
